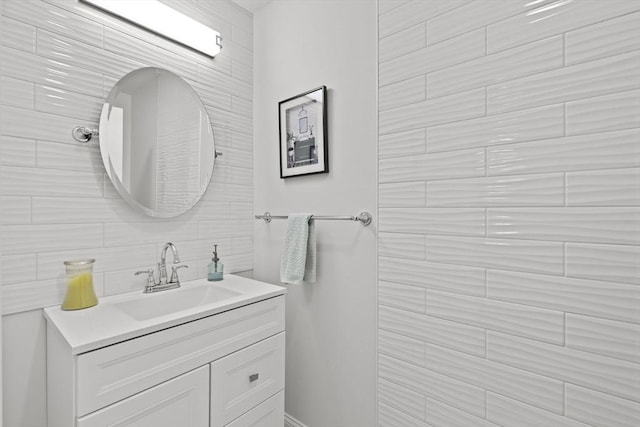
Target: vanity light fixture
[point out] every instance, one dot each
(162, 19)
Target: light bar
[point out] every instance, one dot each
(163, 20)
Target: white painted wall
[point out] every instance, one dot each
(509, 195)
(330, 374)
(1, 323)
(59, 58)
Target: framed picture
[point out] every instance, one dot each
(303, 134)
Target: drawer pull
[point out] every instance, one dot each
(253, 377)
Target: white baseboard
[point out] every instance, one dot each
(289, 421)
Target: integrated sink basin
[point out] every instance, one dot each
(120, 317)
(175, 300)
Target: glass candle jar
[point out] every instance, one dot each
(80, 293)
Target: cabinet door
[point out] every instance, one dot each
(182, 401)
(246, 378)
(269, 413)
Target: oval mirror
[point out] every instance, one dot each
(157, 142)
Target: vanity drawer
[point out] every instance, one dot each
(115, 372)
(269, 413)
(246, 378)
(182, 401)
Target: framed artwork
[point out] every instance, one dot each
(303, 134)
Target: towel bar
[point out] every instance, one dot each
(364, 217)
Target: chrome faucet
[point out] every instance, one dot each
(162, 284)
(162, 267)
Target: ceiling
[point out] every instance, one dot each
(251, 5)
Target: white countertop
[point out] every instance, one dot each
(106, 323)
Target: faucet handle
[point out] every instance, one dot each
(174, 273)
(151, 280)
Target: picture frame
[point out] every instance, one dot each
(303, 142)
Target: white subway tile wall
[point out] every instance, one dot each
(59, 59)
(509, 213)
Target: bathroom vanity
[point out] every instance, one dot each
(202, 355)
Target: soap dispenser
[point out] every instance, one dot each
(215, 268)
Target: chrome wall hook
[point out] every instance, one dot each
(83, 133)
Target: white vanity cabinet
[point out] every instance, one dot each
(223, 366)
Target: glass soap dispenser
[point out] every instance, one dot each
(215, 268)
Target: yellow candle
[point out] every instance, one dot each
(80, 293)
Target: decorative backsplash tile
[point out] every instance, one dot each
(430, 383)
(519, 190)
(509, 412)
(402, 194)
(60, 58)
(613, 376)
(403, 42)
(611, 37)
(402, 93)
(524, 60)
(610, 187)
(464, 222)
(603, 113)
(591, 225)
(509, 221)
(500, 378)
(460, 106)
(608, 300)
(26, 181)
(411, 13)
(520, 255)
(615, 263)
(402, 296)
(18, 35)
(443, 414)
(17, 151)
(418, 62)
(432, 166)
(551, 18)
(606, 337)
(498, 129)
(401, 347)
(32, 68)
(16, 93)
(600, 77)
(402, 143)
(608, 150)
(598, 408)
(396, 244)
(473, 15)
(431, 275)
(410, 402)
(541, 324)
(431, 329)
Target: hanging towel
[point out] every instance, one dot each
(299, 253)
